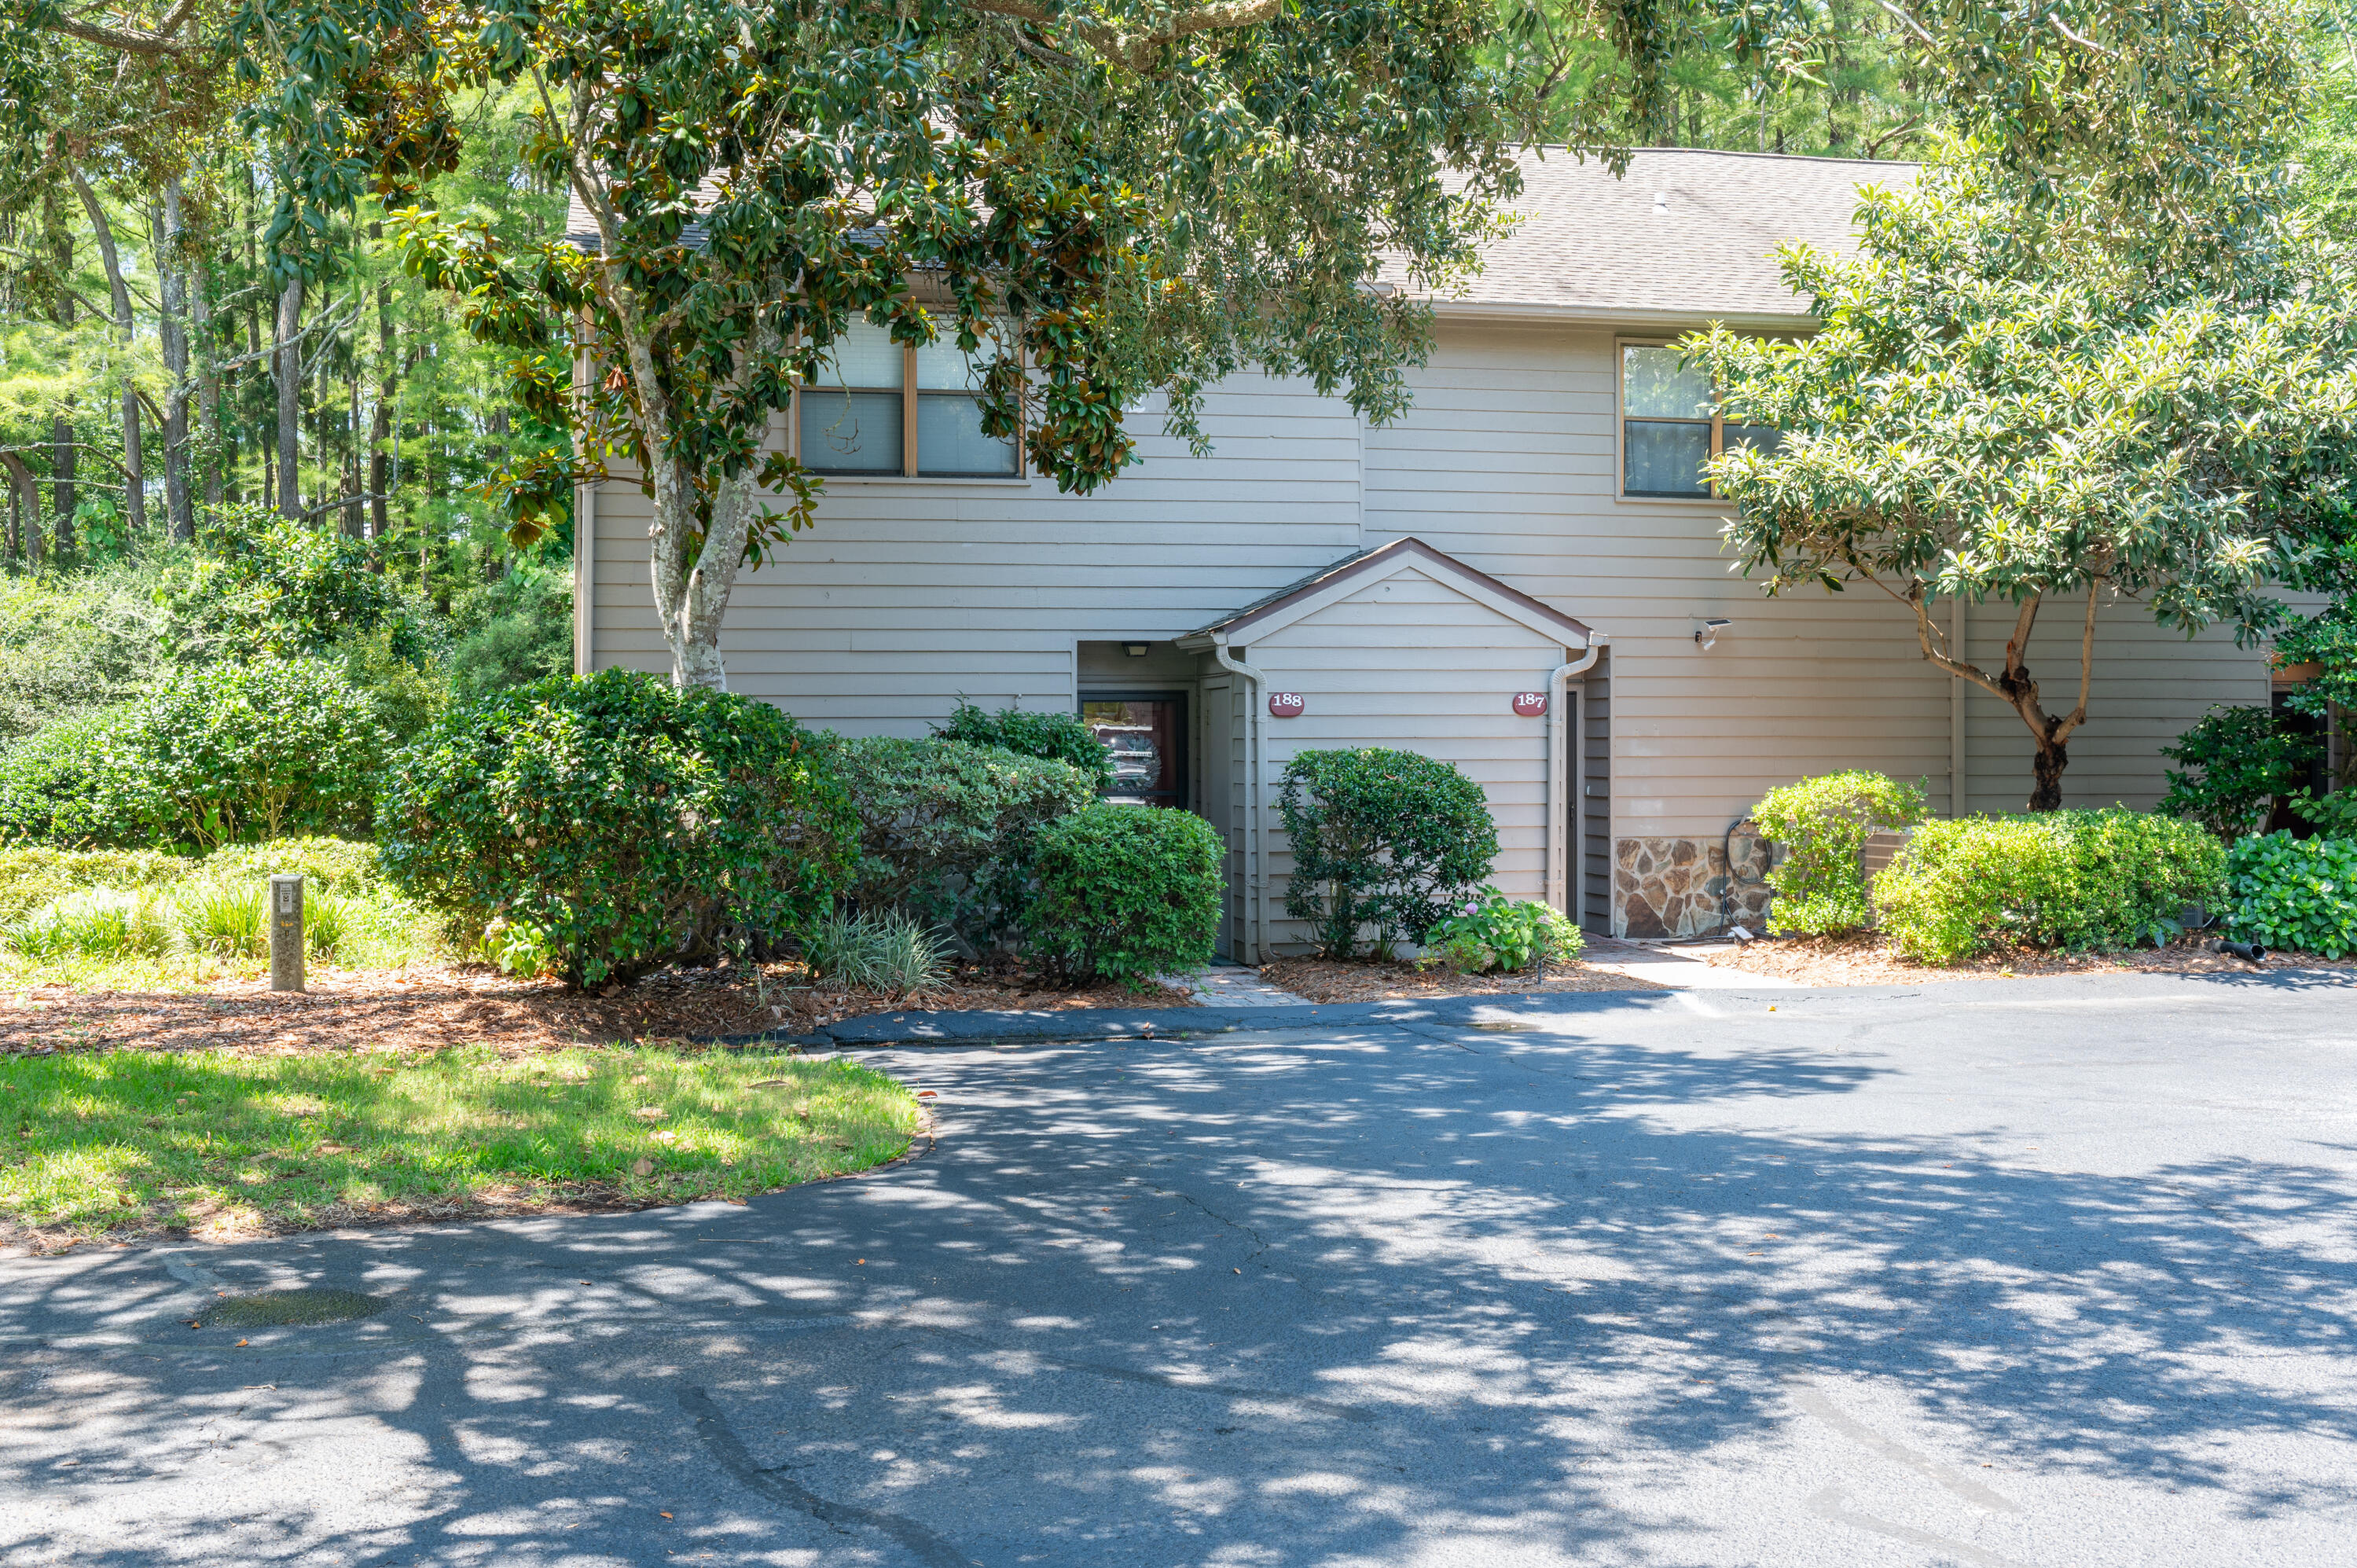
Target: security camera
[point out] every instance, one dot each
(1706, 634)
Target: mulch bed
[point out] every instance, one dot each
(430, 1009)
(1867, 959)
(1325, 980)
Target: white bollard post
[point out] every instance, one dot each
(286, 933)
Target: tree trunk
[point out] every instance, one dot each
(2013, 685)
(209, 426)
(135, 468)
(172, 278)
(64, 494)
(286, 371)
(24, 509)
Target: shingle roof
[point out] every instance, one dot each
(1687, 235)
(1371, 562)
(1684, 234)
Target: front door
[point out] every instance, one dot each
(1146, 734)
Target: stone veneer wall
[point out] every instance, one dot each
(1672, 887)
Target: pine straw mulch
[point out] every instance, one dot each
(1327, 980)
(426, 1009)
(1867, 959)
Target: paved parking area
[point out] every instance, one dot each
(2048, 1272)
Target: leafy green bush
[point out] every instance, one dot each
(2078, 880)
(1387, 839)
(2333, 815)
(1491, 931)
(2240, 759)
(2296, 894)
(324, 864)
(946, 828)
(1823, 824)
(879, 950)
(266, 586)
(2328, 639)
(1058, 737)
(63, 786)
(219, 753)
(1125, 893)
(69, 645)
(620, 824)
(238, 753)
(511, 632)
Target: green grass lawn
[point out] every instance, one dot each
(120, 1144)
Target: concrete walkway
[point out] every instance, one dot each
(2051, 1274)
(1680, 965)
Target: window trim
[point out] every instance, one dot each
(1718, 422)
(911, 459)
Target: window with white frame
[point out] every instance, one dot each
(1670, 425)
(885, 408)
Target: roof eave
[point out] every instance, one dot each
(1622, 316)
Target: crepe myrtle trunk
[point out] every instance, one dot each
(2012, 684)
(692, 594)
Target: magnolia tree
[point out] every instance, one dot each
(1097, 203)
(2030, 402)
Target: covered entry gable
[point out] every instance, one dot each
(1401, 647)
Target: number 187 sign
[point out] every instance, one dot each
(1530, 704)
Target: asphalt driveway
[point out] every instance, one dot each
(2048, 1273)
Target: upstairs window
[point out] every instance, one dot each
(1670, 425)
(881, 408)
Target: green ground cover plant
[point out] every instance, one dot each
(130, 1143)
(1383, 840)
(1823, 824)
(1491, 931)
(1125, 893)
(2296, 894)
(614, 823)
(2077, 880)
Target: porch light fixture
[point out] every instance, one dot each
(1135, 649)
(1706, 634)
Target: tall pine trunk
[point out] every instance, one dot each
(286, 371)
(172, 278)
(135, 468)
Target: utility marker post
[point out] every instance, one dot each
(286, 933)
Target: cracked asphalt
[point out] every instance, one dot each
(2041, 1272)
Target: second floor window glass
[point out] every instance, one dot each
(852, 416)
(880, 408)
(1670, 425)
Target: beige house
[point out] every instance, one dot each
(1523, 576)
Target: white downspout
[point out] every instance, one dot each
(1254, 922)
(1559, 833)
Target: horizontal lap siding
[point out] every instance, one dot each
(1411, 664)
(907, 594)
(1506, 461)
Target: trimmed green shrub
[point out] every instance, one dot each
(946, 828)
(619, 824)
(2078, 880)
(879, 950)
(1058, 737)
(2296, 894)
(2240, 759)
(1125, 893)
(1493, 932)
(1384, 838)
(326, 864)
(71, 645)
(1823, 824)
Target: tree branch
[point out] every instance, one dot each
(1914, 26)
(1137, 51)
(1925, 632)
(2062, 27)
(125, 40)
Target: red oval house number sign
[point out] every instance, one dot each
(1530, 704)
(1286, 705)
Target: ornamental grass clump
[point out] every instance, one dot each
(616, 823)
(1823, 824)
(2074, 880)
(1386, 840)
